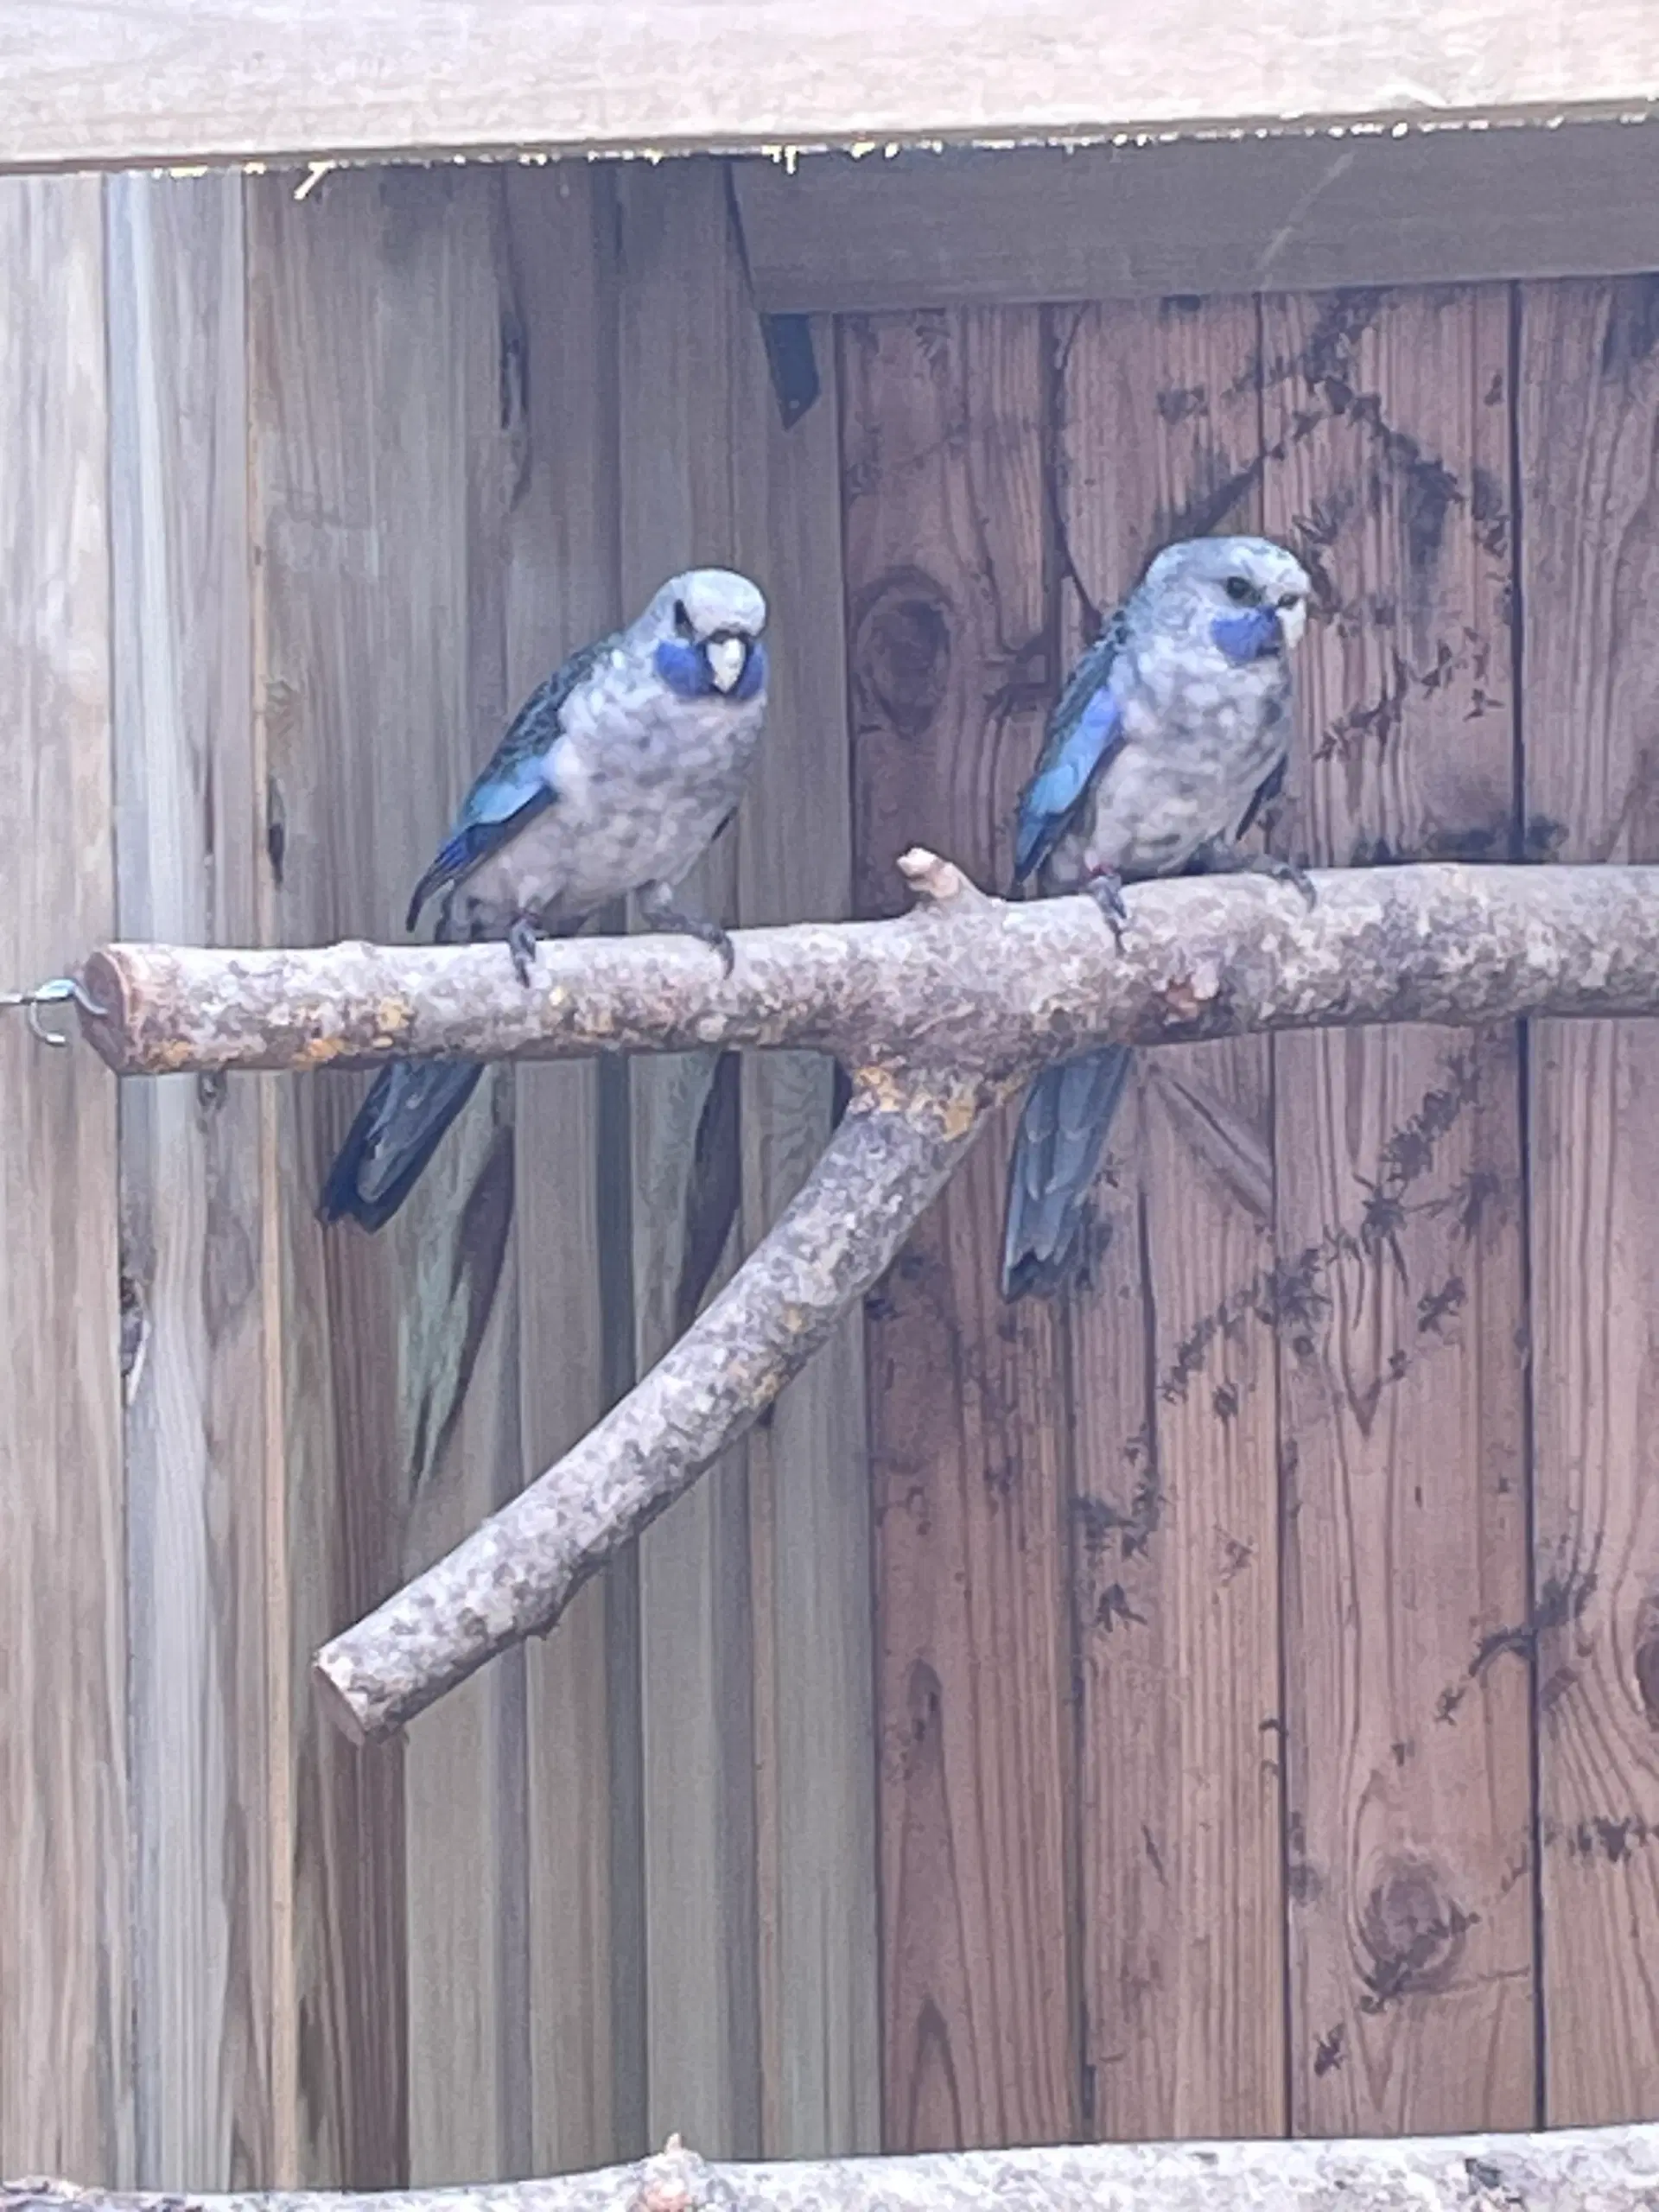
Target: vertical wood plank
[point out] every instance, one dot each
(465, 1775)
(1588, 390)
(809, 1492)
(562, 589)
(1174, 1400)
(65, 1985)
(679, 303)
(1399, 1283)
(192, 1204)
(942, 433)
(385, 465)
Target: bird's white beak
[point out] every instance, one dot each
(726, 659)
(1293, 620)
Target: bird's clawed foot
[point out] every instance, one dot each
(1290, 872)
(521, 943)
(1228, 859)
(1106, 889)
(656, 905)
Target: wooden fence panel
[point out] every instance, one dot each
(210, 1856)
(1197, 1793)
(1173, 1391)
(381, 470)
(67, 1990)
(1589, 389)
(680, 301)
(1399, 1283)
(943, 422)
(559, 252)
(809, 1495)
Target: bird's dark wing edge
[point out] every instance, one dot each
(510, 791)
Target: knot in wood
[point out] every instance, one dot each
(1415, 1930)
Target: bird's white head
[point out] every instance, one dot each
(1245, 596)
(704, 627)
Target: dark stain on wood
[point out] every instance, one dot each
(714, 1190)
(1414, 1932)
(901, 653)
(477, 1257)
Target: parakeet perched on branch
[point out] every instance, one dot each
(1170, 735)
(615, 776)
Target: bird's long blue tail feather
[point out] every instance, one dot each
(1063, 1128)
(399, 1127)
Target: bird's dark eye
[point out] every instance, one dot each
(1288, 600)
(682, 619)
(1242, 590)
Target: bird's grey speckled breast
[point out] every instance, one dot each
(1196, 750)
(643, 781)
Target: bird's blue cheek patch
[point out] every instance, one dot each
(1247, 637)
(684, 670)
(754, 673)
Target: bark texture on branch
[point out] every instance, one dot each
(963, 980)
(513, 1577)
(1590, 2169)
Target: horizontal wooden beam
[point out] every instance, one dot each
(1588, 2169)
(124, 82)
(1295, 213)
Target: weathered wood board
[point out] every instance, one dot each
(66, 1968)
(210, 1861)
(1588, 388)
(1400, 1272)
(1174, 1403)
(948, 651)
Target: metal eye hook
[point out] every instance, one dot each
(62, 990)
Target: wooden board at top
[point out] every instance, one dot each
(1398, 1284)
(1589, 389)
(137, 80)
(832, 234)
(943, 445)
(1174, 1412)
(67, 1987)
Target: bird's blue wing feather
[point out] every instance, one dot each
(512, 789)
(1085, 729)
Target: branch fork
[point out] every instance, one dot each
(939, 1015)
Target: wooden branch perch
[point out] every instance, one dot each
(963, 980)
(938, 1014)
(1589, 2170)
(512, 1578)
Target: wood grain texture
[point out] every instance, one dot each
(136, 79)
(386, 461)
(67, 2091)
(1589, 384)
(1173, 1390)
(192, 1197)
(809, 1495)
(1399, 1278)
(680, 302)
(829, 234)
(466, 1774)
(943, 430)
(562, 586)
